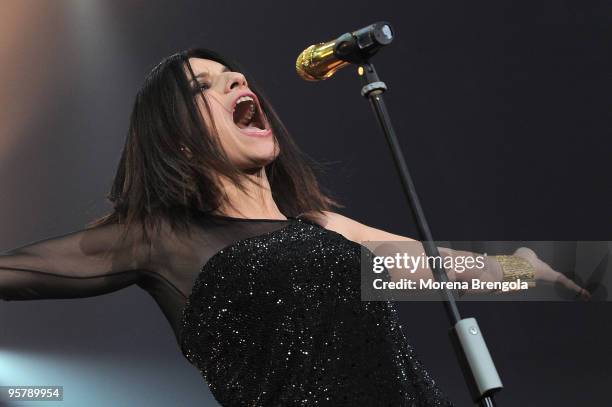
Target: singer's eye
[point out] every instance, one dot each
(200, 87)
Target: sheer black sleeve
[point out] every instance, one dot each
(84, 263)
(97, 261)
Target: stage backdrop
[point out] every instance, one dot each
(502, 109)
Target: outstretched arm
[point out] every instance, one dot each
(492, 270)
(84, 263)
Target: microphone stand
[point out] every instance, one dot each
(469, 345)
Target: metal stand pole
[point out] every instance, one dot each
(474, 357)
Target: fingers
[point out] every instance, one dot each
(580, 292)
(547, 273)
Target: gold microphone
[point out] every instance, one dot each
(320, 61)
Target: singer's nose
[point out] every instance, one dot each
(235, 79)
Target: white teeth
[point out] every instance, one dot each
(243, 99)
(251, 110)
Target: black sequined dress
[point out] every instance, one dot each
(277, 320)
(269, 311)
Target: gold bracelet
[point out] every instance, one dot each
(515, 267)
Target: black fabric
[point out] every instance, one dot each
(95, 261)
(277, 320)
(269, 311)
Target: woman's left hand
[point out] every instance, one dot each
(544, 272)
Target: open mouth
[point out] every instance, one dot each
(247, 114)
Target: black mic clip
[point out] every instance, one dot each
(359, 46)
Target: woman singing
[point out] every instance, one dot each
(218, 215)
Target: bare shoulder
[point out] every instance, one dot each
(350, 228)
(347, 227)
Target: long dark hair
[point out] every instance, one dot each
(156, 181)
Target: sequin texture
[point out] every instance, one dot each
(277, 320)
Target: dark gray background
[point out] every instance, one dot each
(502, 109)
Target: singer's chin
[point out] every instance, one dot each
(256, 164)
(261, 150)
